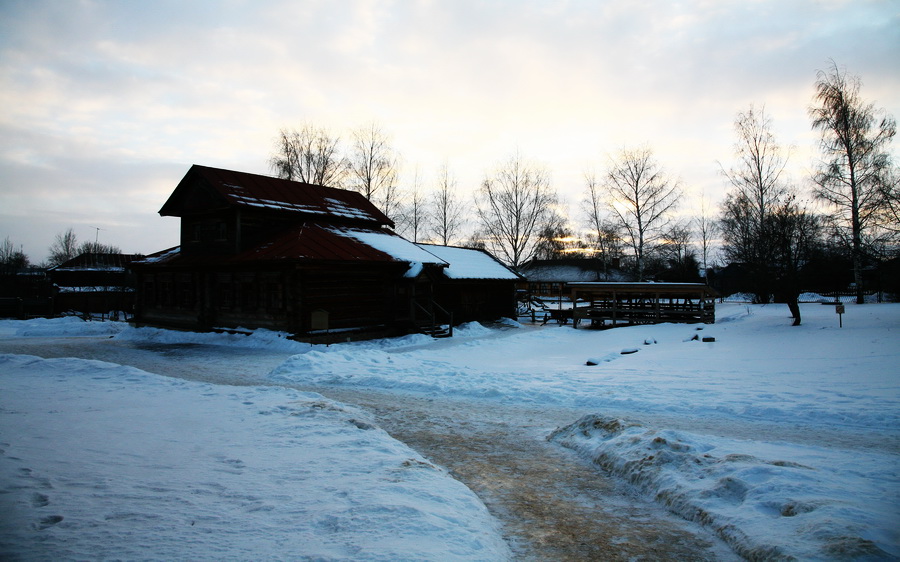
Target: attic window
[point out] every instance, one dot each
(209, 231)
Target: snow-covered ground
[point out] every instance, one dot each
(783, 440)
(100, 461)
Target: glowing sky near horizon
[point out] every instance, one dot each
(106, 104)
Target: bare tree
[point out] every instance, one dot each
(856, 162)
(88, 247)
(7, 250)
(63, 248)
(795, 235)
(758, 188)
(641, 197)
(706, 229)
(413, 219)
(555, 238)
(606, 235)
(675, 247)
(447, 211)
(890, 190)
(374, 169)
(11, 259)
(309, 155)
(513, 206)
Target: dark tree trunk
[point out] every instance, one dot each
(794, 307)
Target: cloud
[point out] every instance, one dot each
(97, 93)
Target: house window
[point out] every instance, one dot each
(248, 296)
(150, 293)
(274, 299)
(165, 293)
(209, 231)
(186, 294)
(225, 295)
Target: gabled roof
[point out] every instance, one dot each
(97, 262)
(204, 189)
(470, 263)
(317, 241)
(565, 270)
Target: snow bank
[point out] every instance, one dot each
(767, 500)
(68, 326)
(100, 461)
(253, 339)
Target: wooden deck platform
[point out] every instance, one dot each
(612, 304)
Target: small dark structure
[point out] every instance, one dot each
(611, 304)
(318, 262)
(94, 283)
(25, 292)
(474, 285)
(548, 278)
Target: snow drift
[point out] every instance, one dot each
(764, 506)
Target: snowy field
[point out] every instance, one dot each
(784, 441)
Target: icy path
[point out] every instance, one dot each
(553, 505)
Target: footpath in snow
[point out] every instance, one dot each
(784, 441)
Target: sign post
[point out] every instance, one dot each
(839, 308)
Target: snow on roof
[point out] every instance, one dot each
(555, 273)
(331, 207)
(93, 261)
(395, 246)
(468, 263)
(160, 256)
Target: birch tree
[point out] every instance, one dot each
(606, 234)
(856, 162)
(642, 198)
(447, 212)
(513, 206)
(310, 155)
(706, 228)
(758, 188)
(374, 169)
(413, 222)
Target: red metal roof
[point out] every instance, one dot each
(309, 242)
(314, 242)
(280, 195)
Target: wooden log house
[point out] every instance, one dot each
(317, 262)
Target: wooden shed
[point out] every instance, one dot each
(474, 285)
(611, 304)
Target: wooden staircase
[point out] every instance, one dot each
(428, 318)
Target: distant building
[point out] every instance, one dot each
(318, 262)
(25, 292)
(94, 283)
(548, 278)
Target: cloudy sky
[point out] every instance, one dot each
(106, 104)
